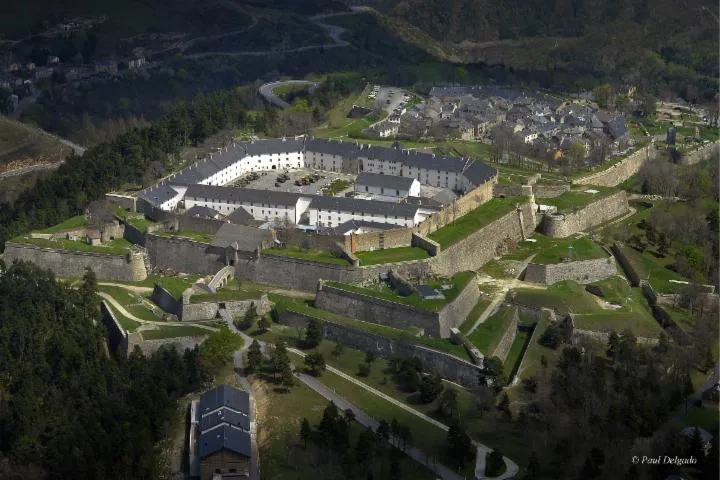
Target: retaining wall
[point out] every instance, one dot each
(116, 335)
(549, 191)
(663, 318)
(592, 215)
(447, 366)
(184, 255)
(148, 347)
(470, 201)
(166, 301)
(430, 246)
(483, 245)
(398, 315)
(364, 242)
(626, 265)
(697, 156)
(583, 271)
(68, 263)
(236, 308)
(503, 347)
(621, 171)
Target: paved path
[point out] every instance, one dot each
(132, 288)
(267, 91)
(366, 420)
(499, 297)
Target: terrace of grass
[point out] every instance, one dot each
(557, 250)
(174, 285)
(514, 357)
(534, 353)
(283, 303)
(576, 199)
(226, 295)
(118, 246)
(321, 256)
(652, 269)
(488, 334)
(474, 314)
(168, 331)
(392, 255)
(131, 301)
(474, 220)
(384, 292)
(127, 324)
(73, 223)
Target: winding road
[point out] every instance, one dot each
(267, 91)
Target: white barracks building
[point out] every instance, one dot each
(201, 184)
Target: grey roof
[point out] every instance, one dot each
(239, 237)
(203, 212)
(224, 438)
(384, 181)
(444, 196)
(617, 128)
(372, 207)
(240, 217)
(243, 195)
(332, 147)
(224, 416)
(158, 194)
(275, 145)
(224, 395)
(478, 173)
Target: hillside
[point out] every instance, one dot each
(655, 45)
(24, 146)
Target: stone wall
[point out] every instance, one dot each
(313, 241)
(447, 366)
(133, 235)
(184, 255)
(664, 318)
(68, 263)
(148, 347)
(365, 242)
(480, 247)
(507, 190)
(430, 246)
(697, 156)
(592, 215)
(205, 225)
(207, 310)
(166, 301)
(470, 201)
(583, 271)
(503, 347)
(549, 191)
(116, 335)
(621, 171)
(398, 315)
(627, 267)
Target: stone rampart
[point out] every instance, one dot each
(148, 347)
(481, 246)
(69, 263)
(470, 201)
(365, 242)
(542, 190)
(594, 214)
(430, 246)
(166, 301)
(627, 267)
(621, 171)
(447, 366)
(184, 255)
(116, 335)
(236, 308)
(503, 347)
(583, 271)
(398, 315)
(133, 235)
(697, 156)
(507, 190)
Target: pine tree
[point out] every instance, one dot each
(305, 431)
(255, 357)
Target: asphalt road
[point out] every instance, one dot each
(266, 91)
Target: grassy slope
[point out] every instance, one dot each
(390, 255)
(488, 334)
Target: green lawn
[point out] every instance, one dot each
(474, 220)
(140, 223)
(653, 269)
(119, 246)
(281, 450)
(474, 314)
(682, 318)
(73, 223)
(514, 357)
(534, 353)
(283, 303)
(488, 334)
(575, 199)
(130, 301)
(172, 332)
(383, 291)
(391, 255)
(127, 324)
(563, 297)
(174, 285)
(615, 289)
(322, 256)
(641, 323)
(335, 187)
(583, 248)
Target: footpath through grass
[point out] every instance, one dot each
(119, 246)
(474, 220)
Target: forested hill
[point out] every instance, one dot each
(655, 45)
(67, 409)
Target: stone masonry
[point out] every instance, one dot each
(592, 215)
(583, 271)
